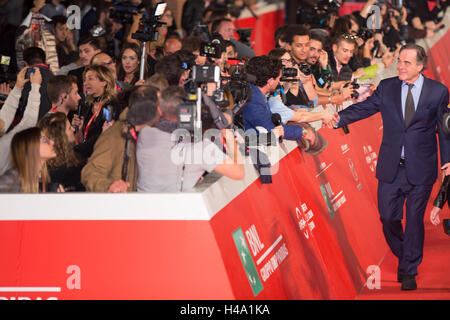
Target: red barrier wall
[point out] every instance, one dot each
(310, 234)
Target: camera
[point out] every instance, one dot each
(206, 73)
(316, 13)
(304, 68)
(325, 80)
(289, 72)
(365, 34)
(355, 86)
(29, 72)
(148, 24)
(123, 12)
(211, 49)
(245, 35)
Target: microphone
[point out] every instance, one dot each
(276, 120)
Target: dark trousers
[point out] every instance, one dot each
(406, 244)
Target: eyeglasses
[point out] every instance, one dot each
(44, 139)
(287, 61)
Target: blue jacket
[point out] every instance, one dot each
(257, 113)
(418, 139)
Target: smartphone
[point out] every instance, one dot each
(107, 114)
(29, 71)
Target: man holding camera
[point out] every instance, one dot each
(257, 112)
(411, 107)
(169, 162)
(298, 44)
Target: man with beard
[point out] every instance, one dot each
(63, 94)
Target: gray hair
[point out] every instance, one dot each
(421, 54)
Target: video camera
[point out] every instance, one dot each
(147, 32)
(123, 12)
(317, 13)
(191, 113)
(237, 83)
(212, 49)
(148, 24)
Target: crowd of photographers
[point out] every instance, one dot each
(127, 101)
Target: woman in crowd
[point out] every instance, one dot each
(30, 151)
(130, 64)
(291, 90)
(66, 167)
(101, 111)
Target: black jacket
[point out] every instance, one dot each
(192, 14)
(45, 105)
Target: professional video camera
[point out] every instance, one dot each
(123, 11)
(245, 35)
(147, 31)
(212, 49)
(237, 83)
(316, 13)
(192, 114)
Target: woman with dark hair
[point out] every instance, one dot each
(66, 167)
(129, 67)
(101, 111)
(30, 151)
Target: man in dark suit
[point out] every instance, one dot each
(411, 107)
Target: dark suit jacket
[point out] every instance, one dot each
(419, 138)
(78, 73)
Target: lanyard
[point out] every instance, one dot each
(86, 130)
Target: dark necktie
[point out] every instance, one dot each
(409, 106)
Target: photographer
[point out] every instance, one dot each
(298, 46)
(225, 28)
(193, 13)
(294, 113)
(35, 58)
(257, 112)
(104, 171)
(167, 164)
(193, 45)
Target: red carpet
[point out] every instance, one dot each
(433, 280)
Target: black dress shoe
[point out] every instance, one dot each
(409, 282)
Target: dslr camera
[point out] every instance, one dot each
(123, 12)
